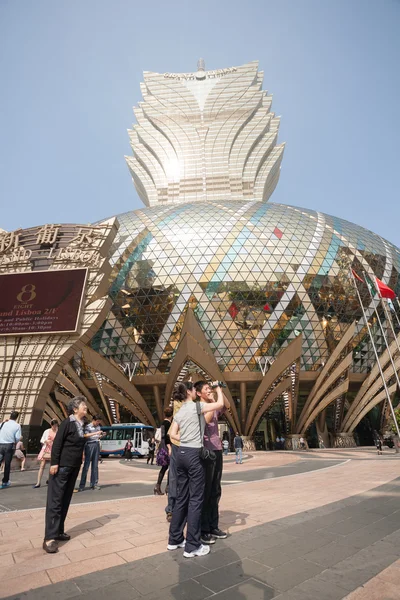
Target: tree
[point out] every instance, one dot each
(391, 423)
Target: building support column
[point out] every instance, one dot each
(248, 443)
(157, 398)
(322, 430)
(102, 396)
(292, 441)
(344, 440)
(243, 404)
(31, 435)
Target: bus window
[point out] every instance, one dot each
(118, 434)
(147, 434)
(129, 434)
(138, 439)
(109, 435)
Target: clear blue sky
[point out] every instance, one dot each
(70, 73)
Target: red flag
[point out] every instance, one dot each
(267, 307)
(384, 290)
(233, 310)
(357, 276)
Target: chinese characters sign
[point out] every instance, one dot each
(41, 301)
(71, 245)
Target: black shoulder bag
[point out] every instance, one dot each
(206, 455)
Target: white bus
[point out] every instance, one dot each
(113, 444)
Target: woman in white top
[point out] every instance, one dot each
(44, 455)
(188, 429)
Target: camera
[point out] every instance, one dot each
(220, 384)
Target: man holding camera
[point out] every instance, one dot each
(93, 435)
(213, 470)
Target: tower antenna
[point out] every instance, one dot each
(201, 65)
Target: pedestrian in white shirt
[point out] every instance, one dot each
(10, 434)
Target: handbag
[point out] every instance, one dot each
(206, 455)
(162, 458)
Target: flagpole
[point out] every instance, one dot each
(388, 316)
(395, 313)
(382, 329)
(376, 355)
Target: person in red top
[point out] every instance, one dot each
(213, 470)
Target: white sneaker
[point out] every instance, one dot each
(176, 546)
(201, 551)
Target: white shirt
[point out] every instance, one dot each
(45, 436)
(10, 432)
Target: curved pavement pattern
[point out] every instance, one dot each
(21, 495)
(321, 534)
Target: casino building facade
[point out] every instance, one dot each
(211, 280)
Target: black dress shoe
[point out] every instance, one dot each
(50, 547)
(63, 537)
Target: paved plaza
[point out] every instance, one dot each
(301, 526)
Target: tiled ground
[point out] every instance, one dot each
(320, 535)
(120, 479)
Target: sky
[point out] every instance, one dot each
(70, 73)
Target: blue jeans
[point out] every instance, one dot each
(92, 451)
(239, 455)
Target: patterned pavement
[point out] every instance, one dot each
(327, 533)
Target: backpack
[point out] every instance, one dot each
(158, 435)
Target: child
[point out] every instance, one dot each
(20, 453)
(225, 446)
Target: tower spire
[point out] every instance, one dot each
(201, 65)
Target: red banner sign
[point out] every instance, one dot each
(41, 301)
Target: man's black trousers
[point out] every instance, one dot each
(212, 494)
(6, 454)
(59, 494)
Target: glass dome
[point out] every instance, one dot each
(256, 274)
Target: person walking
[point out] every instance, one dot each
(20, 453)
(225, 446)
(128, 450)
(188, 428)
(44, 455)
(163, 459)
(377, 441)
(152, 449)
(65, 463)
(213, 469)
(92, 434)
(238, 445)
(10, 434)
